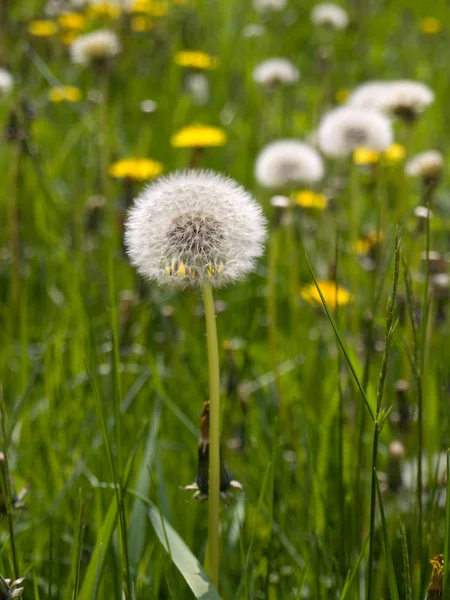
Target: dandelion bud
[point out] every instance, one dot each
(194, 226)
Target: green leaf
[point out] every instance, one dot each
(182, 557)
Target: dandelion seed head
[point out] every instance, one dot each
(94, 47)
(285, 162)
(269, 5)
(426, 165)
(274, 71)
(6, 82)
(330, 15)
(402, 98)
(344, 129)
(194, 225)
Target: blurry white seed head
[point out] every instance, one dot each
(329, 14)
(193, 226)
(426, 165)
(148, 106)
(346, 128)
(274, 71)
(6, 82)
(403, 98)
(197, 85)
(253, 30)
(94, 47)
(285, 162)
(280, 202)
(267, 5)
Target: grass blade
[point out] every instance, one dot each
(393, 588)
(446, 586)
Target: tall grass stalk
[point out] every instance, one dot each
(380, 415)
(214, 436)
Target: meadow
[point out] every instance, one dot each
(333, 349)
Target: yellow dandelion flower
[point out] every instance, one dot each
(310, 199)
(62, 93)
(365, 244)
(199, 136)
(195, 59)
(334, 295)
(73, 21)
(42, 28)
(394, 154)
(141, 23)
(342, 95)
(437, 577)
(140, 6)
(430, 25)
(139, 169)
(365, 156)
(104, 9)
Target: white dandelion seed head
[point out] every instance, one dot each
(275, 71)
(285, 162)
(330, 15)
(95, 46)
(193, 226)
(266, 5)
(425, 165)
(197, 86)
(403, 98)
(6, 82)
(253, 30)
(346, 128)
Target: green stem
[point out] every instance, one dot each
(272, 305)
(372, 509)
(214, 435)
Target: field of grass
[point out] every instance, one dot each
(335, 418)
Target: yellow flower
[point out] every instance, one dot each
(342, 95)
(334, 295)
(104, 9)
(437, 577)
(138, 169)
(394, 154)
(195, 59)
(430, 25)
(62, 93)
(365, 156)
(158, 8)
(42, 28)
(199, 136)
(141, 23)
(72, 21)
(310, 199)
(140, 6)
(365, 244)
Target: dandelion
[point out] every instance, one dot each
(404, 99)
(95, 47)
(148, 106)
(62, 93)
(194, 226)
(285, 162)
(276, 71)
(198, 229)
(344, 129)
(100, 8)
(6, 82)
(365, 156)
(333, 293)
(366, 244)
(253, 30)
(42, 28)
(269, 5)
(199, 136)
(310, 199)
(141, 23)
(195, 59)
(197, 86)
(394, 154)
(330, 15)
(72, 21)
(435, 588)
(430, 25)
(426, 165)
(342, 95)
(138, 169)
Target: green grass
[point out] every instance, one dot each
(103, 377)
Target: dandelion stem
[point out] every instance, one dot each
(214, 435)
